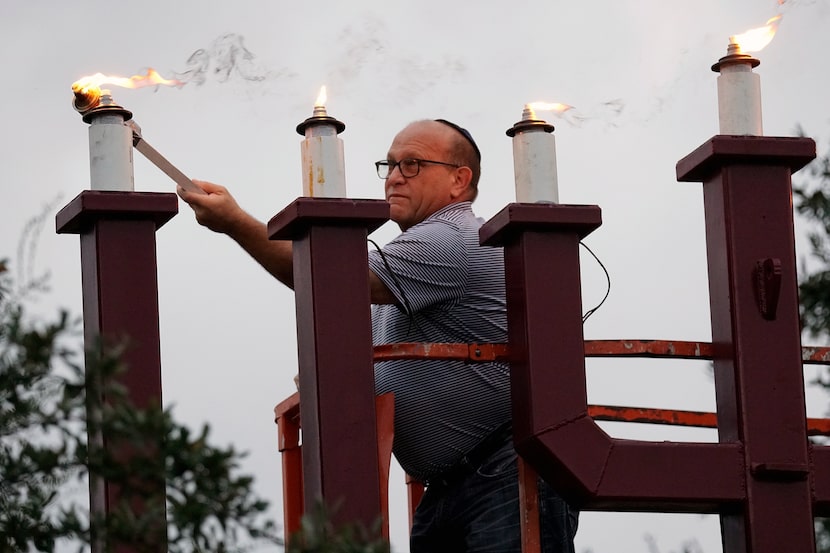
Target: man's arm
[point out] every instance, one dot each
(218, 211)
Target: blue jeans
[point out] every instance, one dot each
(480, 513)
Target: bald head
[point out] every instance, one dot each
(457, 147)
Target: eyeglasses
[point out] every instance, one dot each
(409, 167)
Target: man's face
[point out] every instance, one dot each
(413, 199)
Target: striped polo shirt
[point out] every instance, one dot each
(449, 289)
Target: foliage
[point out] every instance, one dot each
(811, 200)
(317, 534)
(45, 457)
(52, 416)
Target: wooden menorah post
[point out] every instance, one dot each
(763, 477)
(334, 340)
(753, 295)
(120, 305)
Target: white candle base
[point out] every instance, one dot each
(324, 172)
(739, 101)
(110, 154)
(534, 167)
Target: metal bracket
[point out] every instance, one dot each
(766, 280)
(779, 472)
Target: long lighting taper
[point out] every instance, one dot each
(161, 162)
(324, 169)
(739, 88)
(534, 159)
(110, 140)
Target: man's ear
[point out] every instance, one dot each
(463, 176)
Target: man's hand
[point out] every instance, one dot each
(216, 210)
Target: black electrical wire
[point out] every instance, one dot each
(407, 308)
(607, 279)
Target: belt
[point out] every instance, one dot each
(474, 458)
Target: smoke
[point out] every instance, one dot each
(783, 6)
(663, 91)
(416, 76)
(793, 3)
(359, 47)
(225, 58)
(406, 75)
(608, 112)
(362, 59)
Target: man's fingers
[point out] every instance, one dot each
(209, 187)
(194, 198)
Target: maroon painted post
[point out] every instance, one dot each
(753, 292)
(552, 427)
(120, 298)
(541, 252)
(334, 335)
(763, 477)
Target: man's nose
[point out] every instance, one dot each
(395, 175)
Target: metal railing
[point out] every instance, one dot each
(287, 415)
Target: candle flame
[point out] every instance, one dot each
(756, 39)
(555, 107)
(321, 98)
(529, 111)
(152, 78)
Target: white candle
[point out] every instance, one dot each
(534, 159)
(739, 88)
(323, 162)
(110, 146)
(739, 94)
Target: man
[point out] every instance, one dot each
(433, 283)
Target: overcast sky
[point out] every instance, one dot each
(637, 72)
